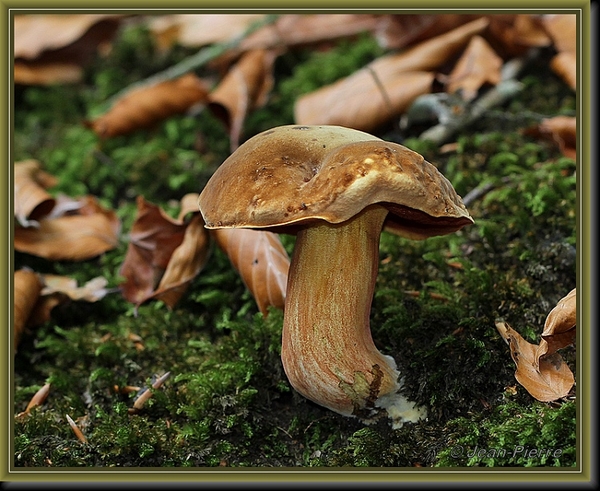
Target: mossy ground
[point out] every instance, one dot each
(228, 401)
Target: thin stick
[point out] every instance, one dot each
(505, 90)
(80, 436)
(147, 394)
(482, 190)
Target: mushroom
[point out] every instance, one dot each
(335, 188)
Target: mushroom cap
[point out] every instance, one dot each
(289, 176)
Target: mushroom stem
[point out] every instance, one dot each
(328, 353)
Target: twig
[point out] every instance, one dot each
(197, 60)
(78, 433)
(505, 90)
(481, 190)
(147, 394)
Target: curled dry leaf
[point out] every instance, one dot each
(195, 30)
(78, 235)
(31, 200)
(343, 104)
(560, 129)
(513, 35)
(547, 378)
(398, 31)
(261, 260)
(53, 48)
(37, 294)
(478, 65)
(560, 326)
(393, 80)
(244, 88)
(27, 289)
(563, 31)
(185, 263)
(163, 251)
(144, 107)
(303, 29)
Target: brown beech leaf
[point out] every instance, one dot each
(305, 29)
(53, 48)
(560, 129)
(396, 31)
(31, 199)
(562, 28)
(185, 263)
(547, 378)
(565, 66)
(195, 30)
(27, 289)
(560, 326)
(389, 83)
(153, 237)
(512, 35)
(86, 231)
(478, 65)
(261, 260)
(244, 88)
(164, 254)
(343, 103)
(563, 31)
(146, 106)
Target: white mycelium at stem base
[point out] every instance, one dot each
(327, 350)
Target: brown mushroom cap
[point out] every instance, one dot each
(290, 175)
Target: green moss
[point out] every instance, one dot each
(512, 435)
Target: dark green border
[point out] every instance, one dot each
(582, 474)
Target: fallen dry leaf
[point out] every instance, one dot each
(31, 200)
(36, 294)
(244, 88)
(343, 103)
(164, 254)
(153, 237)
(565, 66)
(563, 31)
(146, 106)
(86, 231)
(512, 35)
(560, 129)
(562, 28)
(396, 31)
(185, 264)
(261, 260)
(27, 289)
(305, 29)
(389, 83)
(478, 65)
(195, 30)
(53, 48)
(560, 326)
(547, 378)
